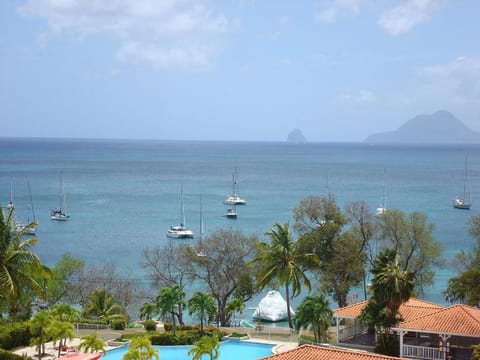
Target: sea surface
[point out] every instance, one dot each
(123, 195)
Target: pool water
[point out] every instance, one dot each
(229, 350)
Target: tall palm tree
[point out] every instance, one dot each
(39, 328)
(91, 343)
(314, 312)
(140, 348)
(279, 262)
(206, 345)
(203, 305)
(235, 306)
(168, 300)
(19, 265)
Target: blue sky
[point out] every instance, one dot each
(338, 70)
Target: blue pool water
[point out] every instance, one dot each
(229, 350)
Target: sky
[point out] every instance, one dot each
(235, 70)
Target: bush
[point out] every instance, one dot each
(150, 325)
(7, 355)
(118, 325)
(14, 335)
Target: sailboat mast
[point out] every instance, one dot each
(384, 188)
(201, 217)
(31, 199)
(182, 207)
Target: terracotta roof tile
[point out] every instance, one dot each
(456, 320)
(412, 309)
(314, 352)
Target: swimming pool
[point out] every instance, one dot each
(229, 350)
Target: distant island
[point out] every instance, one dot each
(440, 127)
(296, 136)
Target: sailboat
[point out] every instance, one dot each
(180, 231)
(27, 228)
(10, 202)
(60, 214)
(383, 207)
(234, 198)
(464, 202)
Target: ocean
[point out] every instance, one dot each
(123, 195)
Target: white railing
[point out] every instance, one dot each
(422, 352)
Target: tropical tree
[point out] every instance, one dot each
(92, 343)
(314, 312)
(102, 306)
(475, 352)
(171, 300)
(140, 348)
(391, 286)
(148, 310)
(225, 268)
(465, 287)
(203, 306)
(64, 285)
(20, 266)
(61, 331)
(411, 237)
(206, 345)
(235, 306)
(39, 329)
(279, 263)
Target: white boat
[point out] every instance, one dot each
(464, 202)
(234, 198)
(383, 207)
(60, 214)
(10, 202)
(231, 213)
(180, 231)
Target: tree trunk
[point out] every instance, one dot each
(289, 314)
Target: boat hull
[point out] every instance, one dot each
(234, 200)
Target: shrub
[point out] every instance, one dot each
(150, 325)
(118, 325)
(13, 335)
(7, 355)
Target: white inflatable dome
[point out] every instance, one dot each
(272, 307)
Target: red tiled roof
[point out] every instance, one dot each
(455, 320)
(409, 310)
(314, 352)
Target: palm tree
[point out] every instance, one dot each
(206, 345)
(102, 305)
(20, 266)
(235, 306)
(203, 305)
(140, 348)
(280, 261)
(168, 300)
(147, 311)
(61, 331)
(39, 328)
(314, 312)
(91, 343)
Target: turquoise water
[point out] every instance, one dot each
(123, 195)
(229, 350)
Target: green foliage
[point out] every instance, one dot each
(206, 345)
(387, 344)
(171, 300)
(118, 324)
(6, 355)
(150, 325)
(101, 305)
(140, 348)
(314, 312)
(203, 306)
(61, 286)
(92, 343)
(14, 335)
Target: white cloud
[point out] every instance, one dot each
(410, 13)
(457, 81)
(340, 8)
(362, 97)
(164, 34)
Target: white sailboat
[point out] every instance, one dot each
(464, 203)
(234, 198)
(231, 213)
(60, 214)
(383, 207)
(27, 228)
(180, 231)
